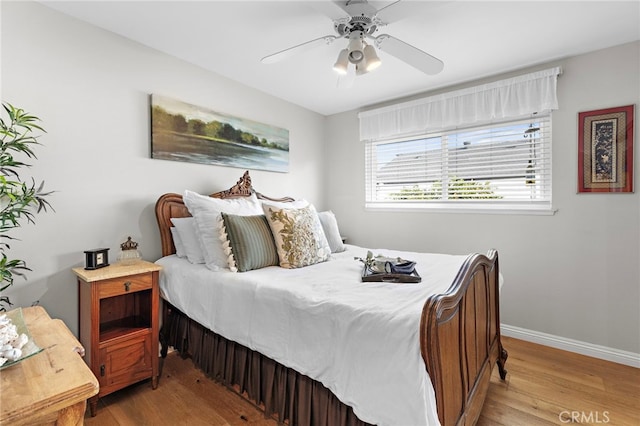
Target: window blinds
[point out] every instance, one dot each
(506, 165)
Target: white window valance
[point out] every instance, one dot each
(505, 99)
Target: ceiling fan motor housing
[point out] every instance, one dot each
(361, 23)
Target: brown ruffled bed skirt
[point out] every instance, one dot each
(282, 393)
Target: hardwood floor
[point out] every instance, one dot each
(185, 396)
(544, 386)
(547, 386)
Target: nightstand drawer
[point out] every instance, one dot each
(124, 285)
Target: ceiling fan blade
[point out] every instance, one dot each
(389, 13)
(411, 55)
(332, 9)
(287, 53)
(401, 9)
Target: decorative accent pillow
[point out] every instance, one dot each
(298, 234)
(177, 242)
(206, 211)
(186, 227)
(250, 242)
(331, 231)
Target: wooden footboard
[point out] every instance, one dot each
(460, 340)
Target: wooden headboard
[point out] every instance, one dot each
(171, 205)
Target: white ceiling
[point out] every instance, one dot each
(475, 39)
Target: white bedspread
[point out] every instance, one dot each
(361, 340)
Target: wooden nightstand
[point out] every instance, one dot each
(118, 322)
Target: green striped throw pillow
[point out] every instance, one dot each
(251, 241)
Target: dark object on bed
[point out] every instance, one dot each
(369, 275)
(459, 342)
(388, 269)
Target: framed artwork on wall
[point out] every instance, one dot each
(605, 150)
(196, 134)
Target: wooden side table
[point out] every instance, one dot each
(52, 386)
(118, 321)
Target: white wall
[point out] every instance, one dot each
(90, 88)
(574, 274)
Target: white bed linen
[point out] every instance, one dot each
(361, 340)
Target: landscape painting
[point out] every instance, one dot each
(185, 132)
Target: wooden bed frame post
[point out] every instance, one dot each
(460, 340)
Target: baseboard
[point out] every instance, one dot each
(583, 348)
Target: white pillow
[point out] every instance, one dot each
(177, 242)
(206, 211)
(331, 231)
(186, 227)
(295, 204)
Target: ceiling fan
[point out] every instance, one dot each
(358, 22)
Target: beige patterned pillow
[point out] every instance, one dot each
(298, 234)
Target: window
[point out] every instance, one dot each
(486, 147)
(500, 166)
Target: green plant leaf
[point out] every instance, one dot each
(19, 201)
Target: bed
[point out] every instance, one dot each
(437, 371)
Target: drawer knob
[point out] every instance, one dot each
(127, 285)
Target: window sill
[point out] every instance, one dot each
(439, 208)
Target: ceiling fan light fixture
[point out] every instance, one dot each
(356, 56)
(361, 69)
(356, 53)
(342, 63)
(371, 58)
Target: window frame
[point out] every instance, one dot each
(535, 207)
